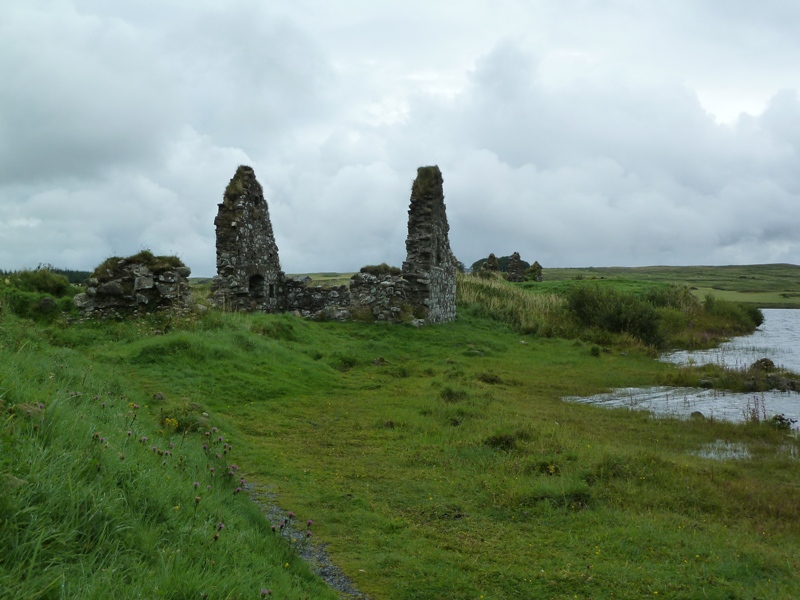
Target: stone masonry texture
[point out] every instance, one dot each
(430, 267)
(249, 275)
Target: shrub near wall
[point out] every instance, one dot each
(616, 312)
(40, 295)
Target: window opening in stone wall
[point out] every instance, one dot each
(271, 290)
(256, 286)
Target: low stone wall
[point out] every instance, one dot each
(317, 301)
(380, 298)
(369, 298)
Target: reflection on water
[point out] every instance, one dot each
(715, 404)
(722, 450)
(778, 339)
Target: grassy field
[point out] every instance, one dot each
(330, 279)
(433, 462)
(768, 286)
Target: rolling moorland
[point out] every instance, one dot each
(432, 462)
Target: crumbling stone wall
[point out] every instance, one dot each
(430, 267)
(249, 275)
(381, 298)
(136, 285)
(516, 270)
(317, 302)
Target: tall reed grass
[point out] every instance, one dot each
(522, 310)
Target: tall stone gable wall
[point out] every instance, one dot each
(249, 275)
(516, 272)
(430, 267)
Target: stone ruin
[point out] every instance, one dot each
(430, 267)
(491, 263)
(134, 286)
(516, 269)
(249, 277)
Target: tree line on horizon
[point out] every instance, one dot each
(72, 275)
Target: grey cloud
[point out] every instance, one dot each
(248, 77)
(79, 94)
(615, 160)
(615, 175)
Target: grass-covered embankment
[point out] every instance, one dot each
(103, 497)
(435, 462)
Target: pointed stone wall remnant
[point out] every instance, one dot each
(516, 268)
(491, 263)
(430, 267)
(249, 275)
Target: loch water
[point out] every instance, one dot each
(778, 339)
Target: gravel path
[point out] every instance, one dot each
(313, 553)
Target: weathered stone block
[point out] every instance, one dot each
(143, 283)
(112, 288)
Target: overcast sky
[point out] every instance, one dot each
(575, 132)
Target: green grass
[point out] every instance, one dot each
(98, 499)
(435, 462)
(768, 286)
(402, 469)
(327, 278)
